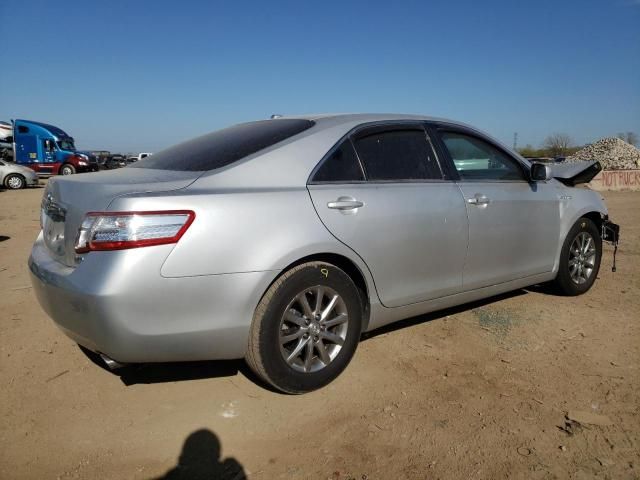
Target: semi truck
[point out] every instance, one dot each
(47, 149)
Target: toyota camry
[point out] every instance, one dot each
(281, 241)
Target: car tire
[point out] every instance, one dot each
(282, 326)
(67, 169)
(15, 181)
(579, 259)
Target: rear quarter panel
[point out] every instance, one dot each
(242, 230)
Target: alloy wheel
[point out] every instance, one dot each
(582, 257)
(311, 337)
(15, 183)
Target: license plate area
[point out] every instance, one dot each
(53, 222)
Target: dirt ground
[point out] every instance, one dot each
(479, 391)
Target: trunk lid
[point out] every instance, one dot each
(67, 199)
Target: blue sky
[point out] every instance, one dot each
(142, 75)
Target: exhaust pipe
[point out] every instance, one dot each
(111, 363)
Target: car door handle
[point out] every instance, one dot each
(478, 199)
(343, 203)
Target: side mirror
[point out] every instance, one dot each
(540, 172)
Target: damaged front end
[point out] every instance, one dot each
(572, 174)
(611, 234)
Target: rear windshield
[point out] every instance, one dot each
(223, 147)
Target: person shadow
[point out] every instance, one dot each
(200, 460)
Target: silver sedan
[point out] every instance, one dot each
(283, 240)
(16, 176)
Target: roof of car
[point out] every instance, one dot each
(338, 118)
(289, 163)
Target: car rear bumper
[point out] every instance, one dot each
(118, 304)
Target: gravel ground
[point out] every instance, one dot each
(527, 385)
(612, 153)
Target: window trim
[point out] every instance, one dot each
(452, 128)
(338, 144)
(370, 128)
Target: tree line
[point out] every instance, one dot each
(562, 145)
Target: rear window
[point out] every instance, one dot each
(223, 147)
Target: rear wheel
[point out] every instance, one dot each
(15, 181)
(580, 258)
(67, 169)
(306, 328)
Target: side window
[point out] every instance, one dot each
(398, 155)
(23, 129)
(476, 159)
(341, 166)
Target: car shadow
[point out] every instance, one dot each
(4, 238)
(429, 317)
(148, 373)
(201, 458)
(543, 289)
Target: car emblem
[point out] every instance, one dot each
(53, 210)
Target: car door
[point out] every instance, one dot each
(514, 224)
(381, 192)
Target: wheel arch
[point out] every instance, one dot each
(595, 217)
(592, 214)
(14, 174)
(67, 163)
(564, 282)
(345, 264)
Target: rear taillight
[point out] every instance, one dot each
(121, 230)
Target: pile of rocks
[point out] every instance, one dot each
(612, 153)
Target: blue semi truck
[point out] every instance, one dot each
(47, 149)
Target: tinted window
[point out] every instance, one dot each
(221, 148)
(476, 159)
(397, 155)
(23, 129)
(341, 166)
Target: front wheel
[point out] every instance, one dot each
(15, 181)
(67, 169)
(306, 328)
(580, 258)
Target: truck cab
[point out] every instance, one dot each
(48, 150)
